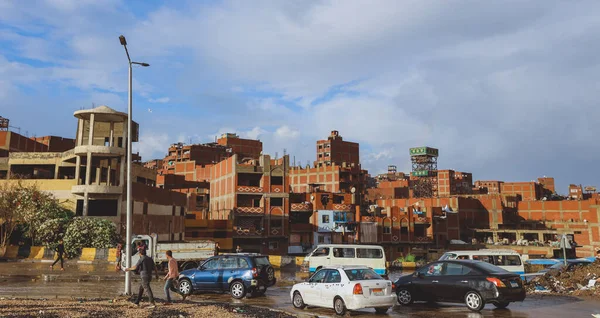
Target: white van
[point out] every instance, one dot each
(507, 259)
(347, 254)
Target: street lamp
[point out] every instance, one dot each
(129, 160)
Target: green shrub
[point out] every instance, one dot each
(89, 232)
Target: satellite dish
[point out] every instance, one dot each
(353, 190)
(312, 197)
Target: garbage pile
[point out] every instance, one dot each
(582, 281)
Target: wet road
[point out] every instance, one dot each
(276, 297)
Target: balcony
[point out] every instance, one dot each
(97, 189)
(277, 189)
(422, 239)
(276, 231)
(302, 207)
(301, 227)
(99, 150)
(239, 231)
(249, 189)
(250, 210)
(422, 220)
(342, 207)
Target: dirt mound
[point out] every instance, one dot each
(578, 282)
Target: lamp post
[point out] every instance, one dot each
(129, 160)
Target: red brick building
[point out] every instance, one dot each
(254, 193)
(335, 150)
(243, 147)
(452, 182)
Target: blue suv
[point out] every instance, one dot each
(240, 274)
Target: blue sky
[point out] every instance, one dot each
(506, 90)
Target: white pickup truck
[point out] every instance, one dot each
(188, 254)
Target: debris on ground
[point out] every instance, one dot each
(581, 281)
(123, 308)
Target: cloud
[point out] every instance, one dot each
(505, 90)
(151, 144)
(161, 100)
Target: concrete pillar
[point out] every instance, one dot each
(98, 174)
(80, 132)
(56, 167)
(111, 142)
(77, 169)
(108, 178)
(91, 134)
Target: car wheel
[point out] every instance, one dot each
(339, 306)
(474, 301)
(501, 305)
(404, 297)
(237, 290)
(381, 311)
(185, 287)
(271, 276)
(298, 301)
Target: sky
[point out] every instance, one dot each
(507, 90)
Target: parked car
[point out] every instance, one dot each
(347, 254)
(345, 288)
(473, 282)
(240, 274)
(560, 266)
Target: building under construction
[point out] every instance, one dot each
(424, 172)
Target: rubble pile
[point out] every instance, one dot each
(582, 281)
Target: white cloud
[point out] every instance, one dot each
(152, 144)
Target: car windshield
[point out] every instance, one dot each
(261, 261)
(362, 274)
(491, 268)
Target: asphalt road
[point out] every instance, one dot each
(19, 280)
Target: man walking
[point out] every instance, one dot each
(145, 266)
(171, 277)
(60, 250)
(217, 249)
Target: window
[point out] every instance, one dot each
(323, 251)
(343, 252)
(369, 253)
(318, 277)
(491, 268)
(434, 269)
(276, 180)
(333, 276)
(276, 223)
(228, 262)
(387, 229)
(276, 201)
(273, 245)
(453, 269)
(321, 239)
(362, 274)
(325, 219)
(211, 264)
(261, 261)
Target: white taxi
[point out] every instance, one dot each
(345, 288)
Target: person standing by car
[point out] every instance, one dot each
(145, 266)
(60, 250)
(238, 249)
(171, 277)
(217, 248)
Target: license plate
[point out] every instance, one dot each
(514, 284)
(377, 291)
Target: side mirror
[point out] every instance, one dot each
(420, 275)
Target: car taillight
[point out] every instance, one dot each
(254, 272)
(357, 289)
(496, 281)
(393, 286)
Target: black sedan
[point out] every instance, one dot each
(473, 282)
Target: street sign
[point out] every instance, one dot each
(564, 242)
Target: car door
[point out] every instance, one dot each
(228, 269)
(207, 276)
(426, 283)
(454, 282)
(331, 288)
(313, 290)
